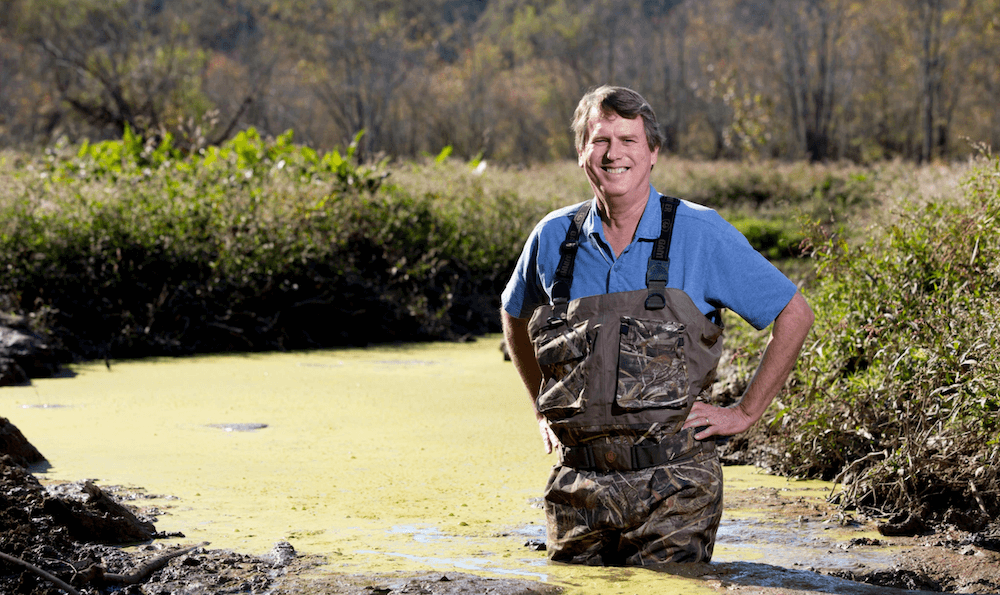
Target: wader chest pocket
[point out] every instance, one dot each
(652, 369)
(561, 356)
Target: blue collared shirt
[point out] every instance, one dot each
(709, 259)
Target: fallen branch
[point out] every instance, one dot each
(144, 571)
(96, 573)
(47, 576)
(843, 474)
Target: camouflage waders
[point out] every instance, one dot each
(620, 374)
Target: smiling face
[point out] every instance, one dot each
(617, 160)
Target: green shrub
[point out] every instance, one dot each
(897, 393)
(129, 249)
(775, 239)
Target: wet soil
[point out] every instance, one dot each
(946, 561)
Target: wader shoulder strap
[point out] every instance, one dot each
(567, 251)
(658, 269)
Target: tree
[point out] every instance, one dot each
(982, 118)
(670, 18)
(358, 56)
(810, 32)
(938, 24)
(121, 63)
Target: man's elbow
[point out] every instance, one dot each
(798, 314)
(806, 313)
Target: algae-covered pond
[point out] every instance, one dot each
(410, 457)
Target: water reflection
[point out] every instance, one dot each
(238, 427)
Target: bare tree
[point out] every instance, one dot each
(809, 33)
(938, 25)
(361, 57)
(671, 16)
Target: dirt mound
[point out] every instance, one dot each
(14, 444)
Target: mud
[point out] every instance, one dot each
(951, 561)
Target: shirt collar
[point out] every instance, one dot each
(649, 224)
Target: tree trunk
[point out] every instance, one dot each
(931, 17)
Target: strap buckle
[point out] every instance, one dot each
(568, 246)
(657, 274)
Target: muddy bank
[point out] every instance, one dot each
(26, 353)
(67, 538)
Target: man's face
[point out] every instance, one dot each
(617, 159)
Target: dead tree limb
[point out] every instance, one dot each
(144, 571)
(47, 576)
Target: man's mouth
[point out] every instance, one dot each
(616, 170)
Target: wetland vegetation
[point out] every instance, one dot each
(132, 248)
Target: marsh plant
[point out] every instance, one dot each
(897, 394)
(130, 248)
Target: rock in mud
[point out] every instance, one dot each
(93, 516)
(24, 354)
(282, 554)
(16, 446)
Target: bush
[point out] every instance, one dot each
(128, 249)
(898, 393)
(774, 238)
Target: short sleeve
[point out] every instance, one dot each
(524, 292)
(744, 281)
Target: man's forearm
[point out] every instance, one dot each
(522, 354)
(787, 337)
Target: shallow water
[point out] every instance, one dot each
(418, 457)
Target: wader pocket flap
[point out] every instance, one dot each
(561, 359)
(652, 369)
(564, 397)
(570, 345)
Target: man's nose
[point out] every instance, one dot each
(613, 149)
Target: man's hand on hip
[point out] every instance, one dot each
(548, 438)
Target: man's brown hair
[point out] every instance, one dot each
(615, 100)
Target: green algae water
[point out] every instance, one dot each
(416, 457)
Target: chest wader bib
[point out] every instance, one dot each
(620, 374)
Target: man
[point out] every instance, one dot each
(612, 320)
